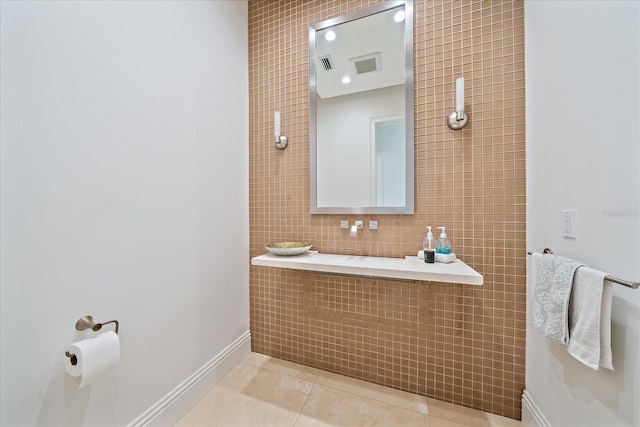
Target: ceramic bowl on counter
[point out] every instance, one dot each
(288, 248)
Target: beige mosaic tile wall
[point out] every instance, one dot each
(457, 343)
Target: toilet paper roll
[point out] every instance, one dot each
(95, 357)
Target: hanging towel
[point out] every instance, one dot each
(606, 359)
(590, 319)
(552, 280)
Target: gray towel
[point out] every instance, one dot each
(552, 280)
(590, 319)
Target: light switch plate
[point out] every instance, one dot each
(569, 223)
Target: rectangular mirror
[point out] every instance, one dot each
(361, 112)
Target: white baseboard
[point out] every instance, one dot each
(169, 409)
(532, 415)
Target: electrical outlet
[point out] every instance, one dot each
(373, 225)
(569, 223)
(344, 223)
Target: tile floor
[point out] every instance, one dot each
(263, 391)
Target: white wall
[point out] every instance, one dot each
(346, 147)
(583, 153)
(124, 195)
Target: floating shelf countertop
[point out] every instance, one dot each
(408, 268)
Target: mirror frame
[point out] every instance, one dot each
(409, 112)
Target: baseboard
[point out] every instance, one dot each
(532, 415)
(169, 409)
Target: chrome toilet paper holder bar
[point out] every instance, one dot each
(86, 322)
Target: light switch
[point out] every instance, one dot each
(344, 223)
(569, 223)
(373, 225)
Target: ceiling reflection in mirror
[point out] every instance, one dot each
(361, 124)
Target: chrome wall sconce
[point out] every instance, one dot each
(458, 119)
(281, 141)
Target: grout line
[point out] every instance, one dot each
(320, 371)
(372, 399)
(376, 399)
(287, 374)
(305, 403)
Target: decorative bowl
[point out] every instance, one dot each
(288, 248)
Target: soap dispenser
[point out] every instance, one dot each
(428, 247)
(443, 246)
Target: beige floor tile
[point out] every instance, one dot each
(264, 391)
(377, 392)
(251, 396)
(439, 422)
(262, 383)
(330, 407)
(284, 367)
(226, 408)
(500, 421)
(467, 416)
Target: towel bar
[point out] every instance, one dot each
(628, 284)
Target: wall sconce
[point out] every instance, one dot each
(458, 119)
(281, 141)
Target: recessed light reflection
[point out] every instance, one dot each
(346, 80)
(399, 16)
(330, 36)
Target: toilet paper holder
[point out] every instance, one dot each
(86, 322)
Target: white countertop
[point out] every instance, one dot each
(409, 268)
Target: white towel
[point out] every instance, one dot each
(552, 281)
(590, 319)
(606, 359)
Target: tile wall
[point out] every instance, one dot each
(457, 343)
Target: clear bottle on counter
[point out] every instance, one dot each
(443, 245)
(428, 247)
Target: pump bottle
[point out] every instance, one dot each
(443, 246)
(428, 248)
